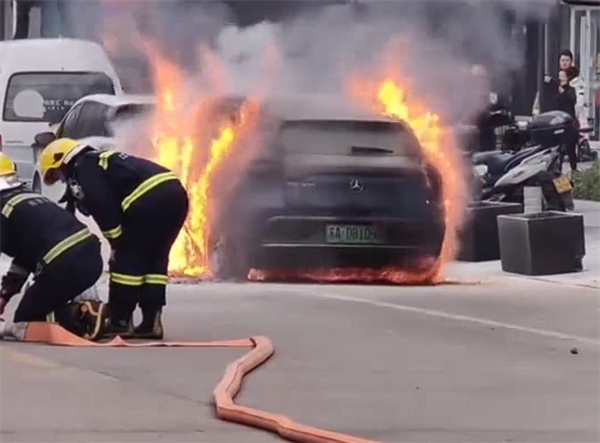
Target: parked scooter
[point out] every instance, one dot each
(503, 174)
(544, 170)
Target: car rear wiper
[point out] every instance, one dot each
(365, 150)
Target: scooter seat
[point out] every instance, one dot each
(496, 161)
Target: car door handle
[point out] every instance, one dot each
(14, 141)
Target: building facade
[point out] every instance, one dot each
(573, 24)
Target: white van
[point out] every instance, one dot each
(39, 81)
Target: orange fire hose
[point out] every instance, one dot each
(225, 391)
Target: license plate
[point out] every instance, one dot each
(562, 184)
(351, 234)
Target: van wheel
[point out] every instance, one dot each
(36, 186)
(228, 261)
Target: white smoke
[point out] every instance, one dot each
(436, 42)
(318, 51)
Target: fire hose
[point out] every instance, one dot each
(226, 390)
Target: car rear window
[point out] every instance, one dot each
(47, 96)
(347, 138)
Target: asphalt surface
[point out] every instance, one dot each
(489, 362)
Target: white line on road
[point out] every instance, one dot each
(439, 314)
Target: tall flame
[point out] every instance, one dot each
(437, 150)
(194, 146)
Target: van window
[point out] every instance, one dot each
(47, 96)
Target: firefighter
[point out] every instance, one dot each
(45, 240)
(140, 208)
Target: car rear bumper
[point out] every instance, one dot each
(300, 243)
(294, 256)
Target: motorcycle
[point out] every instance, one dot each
(542, 169)
(537, 161)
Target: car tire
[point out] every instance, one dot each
(228, 261)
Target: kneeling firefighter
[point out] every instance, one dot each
(64, 256)
(140, 208)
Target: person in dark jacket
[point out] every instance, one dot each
(565, 100)
(565, 95)
(140, 208)
(45, 240)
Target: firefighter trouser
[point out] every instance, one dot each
(66, 277)
(138, 271)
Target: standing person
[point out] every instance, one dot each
(494, 114)
(545, 98)
(565, 101)
(45, 240)
(565, 59)
(140, 207)
(578, 84)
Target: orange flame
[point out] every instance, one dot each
(195, 143)
(196, 147)
(437, 150)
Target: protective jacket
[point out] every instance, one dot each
(106, 184)
(35, 231)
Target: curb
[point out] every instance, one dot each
(558, 282)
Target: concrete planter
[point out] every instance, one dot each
(545, 243)
(479, 237)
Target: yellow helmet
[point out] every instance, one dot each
(57, 154)
(8, 174)
(7, 166)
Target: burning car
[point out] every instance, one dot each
(327, 187)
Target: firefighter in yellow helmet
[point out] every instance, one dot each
(63, 255)
(140, 208)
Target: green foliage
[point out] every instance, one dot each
(586, 184)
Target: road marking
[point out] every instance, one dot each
(441, 314)
(28, 359)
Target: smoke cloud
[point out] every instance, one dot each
(429, 47)
(431, 43)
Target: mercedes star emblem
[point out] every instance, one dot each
(356, 185)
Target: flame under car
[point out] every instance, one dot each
(328, 188)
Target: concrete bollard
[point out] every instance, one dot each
(532, 199)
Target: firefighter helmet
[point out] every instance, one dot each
(57, 154)
(8, 174)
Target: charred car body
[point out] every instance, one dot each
(328, 188)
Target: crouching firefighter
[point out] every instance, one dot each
(140, 208)
(45, 240)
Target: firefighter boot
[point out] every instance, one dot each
(120, 327)
(121, 303)
(151, 326)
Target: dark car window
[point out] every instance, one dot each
(69, 125)
(47, 96)
(337, 137)
(92, 121)
(132, 111)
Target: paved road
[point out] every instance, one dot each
(457, 363)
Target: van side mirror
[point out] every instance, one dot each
(43, 139)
